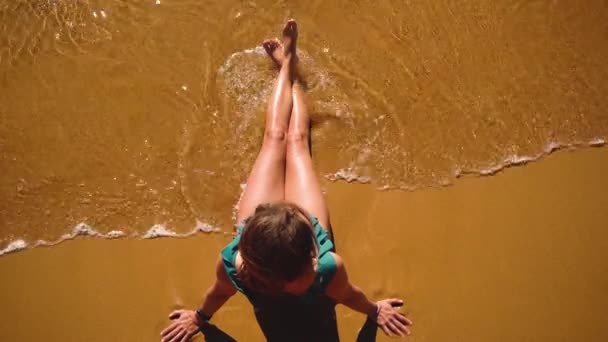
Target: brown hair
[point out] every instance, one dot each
(277, 245)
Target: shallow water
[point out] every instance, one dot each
(126, 115)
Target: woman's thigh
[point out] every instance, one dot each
(302, 186)
(266, 182)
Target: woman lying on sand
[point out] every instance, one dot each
(282, 258)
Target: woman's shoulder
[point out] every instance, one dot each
(327, 267)
(339, 280)
(232, 261)
(335, 259)
(230, 252)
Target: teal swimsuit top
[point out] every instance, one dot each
(326, 266)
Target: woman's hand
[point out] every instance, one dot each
(185, 326)
(390, 320)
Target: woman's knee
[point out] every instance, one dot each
(298, 140)
(275, 136)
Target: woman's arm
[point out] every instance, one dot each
(390, 320)
(188, 322)
(219, 292)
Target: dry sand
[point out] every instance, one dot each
(520, 256)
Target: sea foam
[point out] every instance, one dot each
(14, 246)
(349, 174)
(84, 230)
(344, 174)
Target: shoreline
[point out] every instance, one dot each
(504, 257)
(83, 230)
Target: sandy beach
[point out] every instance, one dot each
(519, 256)
(461, 146)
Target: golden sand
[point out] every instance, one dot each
(520, 256)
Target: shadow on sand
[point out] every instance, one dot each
(214, 334)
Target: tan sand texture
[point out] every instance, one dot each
(520, 256)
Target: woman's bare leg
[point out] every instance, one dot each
(301, 183)
(266, 182)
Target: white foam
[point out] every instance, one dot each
(158, 230)
(597, 142)
(552, 146)
(258, 50)
(345, 174)
(115, 234)
(205, 227)
(85, 230)
(14, 246)
(490, 170)
(348, 174)
(43, 243)
(518, 160)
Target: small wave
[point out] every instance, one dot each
(598, 142)
(258, 50)
(81, 229)
(85, 230)
(14, 246)
(205, 228)
(158, 230)
(517, 160)
(349, 174)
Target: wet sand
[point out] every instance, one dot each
(519, 256)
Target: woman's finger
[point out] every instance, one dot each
(401, 317)
(168, 329)
(393, 328)
(172, 335)
(187, 337)
(402, 328)
(179, 336)
(386, 331)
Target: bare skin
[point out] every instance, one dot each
(301, 184)
(266, 182)
(283, 171)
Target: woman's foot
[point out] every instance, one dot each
(279, 51)
(290, 36)
(274, 49)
